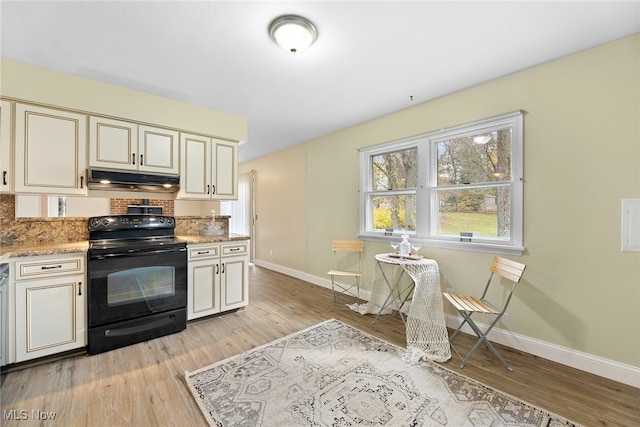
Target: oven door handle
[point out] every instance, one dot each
(135, 253)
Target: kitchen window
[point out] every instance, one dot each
(459, 188)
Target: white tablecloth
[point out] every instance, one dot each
(427, 335)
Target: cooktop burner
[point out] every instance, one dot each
(122, 233)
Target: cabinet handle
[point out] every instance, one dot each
(202, 252)
(223, 268)
(4, 177)
(133, 159)
(217, 268)
(213, 189)
(82, 182)
(234, 249)
(79, 288)
(47, 267)
(141, 159)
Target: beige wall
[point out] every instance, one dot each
(30, 83)
(582, 156)
(280, 207)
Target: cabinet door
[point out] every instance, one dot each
(112, 144)
(6, 160)
(203, 283)
(195, 166)
(234, 282)
(158, 150)
(50, 316)
(3, 325)
(225, 170)
(50, 150)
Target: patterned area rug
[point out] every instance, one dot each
(334, 375)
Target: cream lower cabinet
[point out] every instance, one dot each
(50, 150)
(50, 306)
(217, 278)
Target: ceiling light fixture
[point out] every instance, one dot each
(293, 33)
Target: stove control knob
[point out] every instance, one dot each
(161, 219)
(170, 220)
(94, 223)
(104, 222)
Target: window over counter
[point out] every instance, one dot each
(459, 188)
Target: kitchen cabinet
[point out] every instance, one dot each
(6, 159)
(217, 278)
(50, 305)
(123, 145)
(4, 277)
(50, 150)
(209, 168)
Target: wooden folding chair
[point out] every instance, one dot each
(350, 275)
(468, 305)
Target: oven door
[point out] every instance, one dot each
(135, 284)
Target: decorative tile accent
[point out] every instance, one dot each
(119, 206)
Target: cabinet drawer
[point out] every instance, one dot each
(203, 252)
(234, 249)
(51, 267)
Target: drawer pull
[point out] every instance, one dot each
(203, 252)
(52, 267)
(234, 249)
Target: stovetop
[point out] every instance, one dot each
(132, 233)
(131, 222)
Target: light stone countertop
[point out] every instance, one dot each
(201, 238)
(82, 246)
(48, 249)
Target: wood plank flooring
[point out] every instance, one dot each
(143, 384)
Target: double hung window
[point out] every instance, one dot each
(457, 188)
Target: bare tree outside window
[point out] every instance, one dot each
(473, 175)
(395, 178)
(457, 187)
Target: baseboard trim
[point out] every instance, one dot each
(616, 371)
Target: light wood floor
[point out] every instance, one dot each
(143, 385)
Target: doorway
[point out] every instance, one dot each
(242, 211)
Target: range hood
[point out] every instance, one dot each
(128, 181)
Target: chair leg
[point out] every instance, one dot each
(482, 338)
(457, 330)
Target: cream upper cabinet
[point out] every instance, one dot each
(225, 169)
(122, 145)
(6, 159)
(50, 150)
(209, 168)
(158, 150)
(112, 144)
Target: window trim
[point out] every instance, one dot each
(427, 190)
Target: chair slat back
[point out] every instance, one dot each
(347, 246)
(508, 269)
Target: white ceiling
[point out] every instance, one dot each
(370, 58)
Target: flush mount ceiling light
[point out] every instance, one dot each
(293, 33)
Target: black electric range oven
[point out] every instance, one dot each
(137, 280)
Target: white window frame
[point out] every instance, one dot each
(426, 195)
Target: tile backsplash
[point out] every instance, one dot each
(42, 231)
(119, 206)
